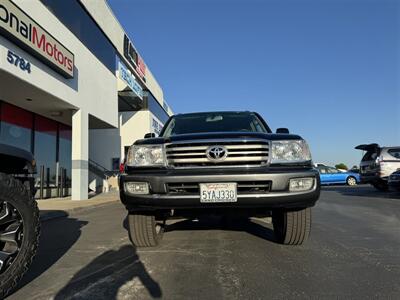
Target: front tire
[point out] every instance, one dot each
(351, 181)
(19, 232)
(292, 227)
(145, 230)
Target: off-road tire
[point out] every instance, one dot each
(15, 193)
(292, 227)
(145, 230)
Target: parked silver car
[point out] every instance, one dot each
(378, 163)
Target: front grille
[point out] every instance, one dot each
(184, 188)
(243, 187)
(239, 153)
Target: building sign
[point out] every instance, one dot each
(134, 58)
(130, 80)
(18, 61)
(156, 126)
(16, 25)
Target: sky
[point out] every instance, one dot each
(329, 70)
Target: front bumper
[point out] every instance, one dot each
(278, 195)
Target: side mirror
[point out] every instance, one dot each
(149, 135)
(282, 130)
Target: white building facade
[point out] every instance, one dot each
(74, 91)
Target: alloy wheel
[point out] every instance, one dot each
(351, 181)
(11, 234)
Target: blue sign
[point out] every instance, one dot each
(130, 80)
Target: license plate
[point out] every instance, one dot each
(218, 192)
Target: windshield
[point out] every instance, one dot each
(214, 122)
(371, 155)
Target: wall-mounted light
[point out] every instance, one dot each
(56, 113)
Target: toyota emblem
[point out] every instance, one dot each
(216, 153)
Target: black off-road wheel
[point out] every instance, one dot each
(19, 232)
(145, 230)
(292, 227)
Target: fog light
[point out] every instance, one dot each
(301, 184)
(139, 188)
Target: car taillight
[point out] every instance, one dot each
(122, 168)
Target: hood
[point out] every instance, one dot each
(219, 136)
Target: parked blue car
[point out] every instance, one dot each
(330, 175)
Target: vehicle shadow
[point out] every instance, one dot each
(53, 244)
(362, 191)
(106, 275)
(252, 226)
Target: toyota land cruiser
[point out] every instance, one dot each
(226, 163)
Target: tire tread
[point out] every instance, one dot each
(294, 226)
(142, 230)
(15, 191)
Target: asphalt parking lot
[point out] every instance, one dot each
(353, 253)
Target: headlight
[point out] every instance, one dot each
(145, 156)
(290, 151)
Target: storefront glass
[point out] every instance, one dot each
(65, 151)
(43, 137)
(152, 105)
(15, 127)
(46, 148)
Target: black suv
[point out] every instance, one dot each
(225, 163)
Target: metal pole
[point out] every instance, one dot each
(57, 174)
(48, 183)
(65, 183)
(41, 181)
(65, 193)
(58, 181)
(62, 179)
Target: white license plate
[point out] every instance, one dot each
(218, 192)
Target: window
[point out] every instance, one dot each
(65, 151)
(371, 155)
(152, 105)
(115, 162)
(16, 126)
(46, 146)
(395, 152)
(74, 16)
(165, 106)
(332, 170)
(214, 122)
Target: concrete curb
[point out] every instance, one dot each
(56, 214)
